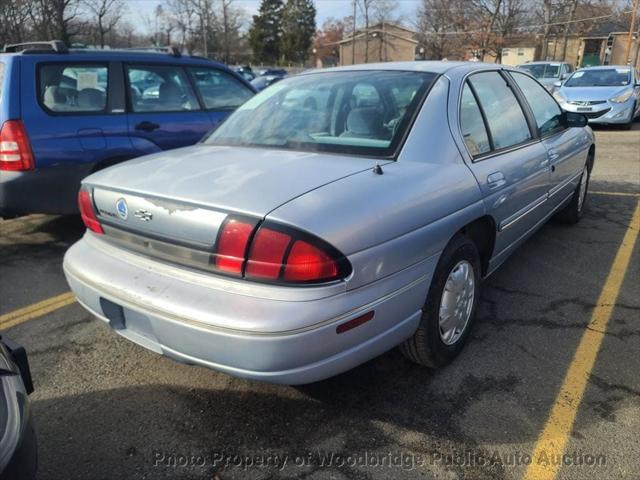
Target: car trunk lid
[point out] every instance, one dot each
(172, 204)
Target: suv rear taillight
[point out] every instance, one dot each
(15, 150)
(275, 253)
(87, 211)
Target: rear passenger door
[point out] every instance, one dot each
(566, 147)
(164, 111)
(509, 163)
(220, 92)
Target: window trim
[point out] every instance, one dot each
(127, 84)
(494, 152)
(194, 85)
(485, 122)
(52, 113)
(539, 134)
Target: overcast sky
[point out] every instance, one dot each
(326, 9)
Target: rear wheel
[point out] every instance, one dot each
(450, 307)
(572, 213)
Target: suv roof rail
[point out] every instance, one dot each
(169, 49)
(36, 47)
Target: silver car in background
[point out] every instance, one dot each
(548, 73)
(332, 217)
(607, 94)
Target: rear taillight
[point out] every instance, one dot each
(277, 254)
(232, 245)
(87, 212)
(15, 150)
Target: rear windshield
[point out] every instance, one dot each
(543, 70)
(602, 77)
(1, 78)
(362, 113)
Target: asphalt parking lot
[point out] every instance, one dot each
(106, 408)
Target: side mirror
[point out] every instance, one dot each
(557, 84)
(573, 119)
(564, 76)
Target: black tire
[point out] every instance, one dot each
(629, 126)
(572, 213)
(426, 346)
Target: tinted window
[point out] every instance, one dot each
(160, 89)
(545, 109)
(344, 112)
(218, 89)
(473, 129)
(507, 123)
(600, 77)
(68, 88)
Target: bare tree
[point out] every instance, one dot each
(56, 19)
(106, 16)
(442, 26)
(14, 15)
(228, 22)
(184, 16)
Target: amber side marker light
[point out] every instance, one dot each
(355, 322)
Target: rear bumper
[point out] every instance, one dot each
(43, 190)
(278, 339)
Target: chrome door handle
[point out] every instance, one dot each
(496, 179)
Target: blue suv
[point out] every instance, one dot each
(67, 113)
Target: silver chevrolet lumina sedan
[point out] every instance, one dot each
(332, 217)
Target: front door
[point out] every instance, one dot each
(566, 147)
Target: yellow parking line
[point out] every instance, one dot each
(618, 194)
(553, 439)
(36, 310)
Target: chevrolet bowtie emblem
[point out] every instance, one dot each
(143, 215)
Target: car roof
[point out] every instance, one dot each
(540, 62)
(452, 69)
(606, 67)
(429, 66)
(116, 55)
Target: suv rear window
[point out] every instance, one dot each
(65, 88)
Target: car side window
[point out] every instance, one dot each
(218, 89)
(473, 128)
(65, 88)
(546, 111)
(160, 88)
(507, 122)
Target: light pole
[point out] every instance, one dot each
(353, 38)
(627, 53)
